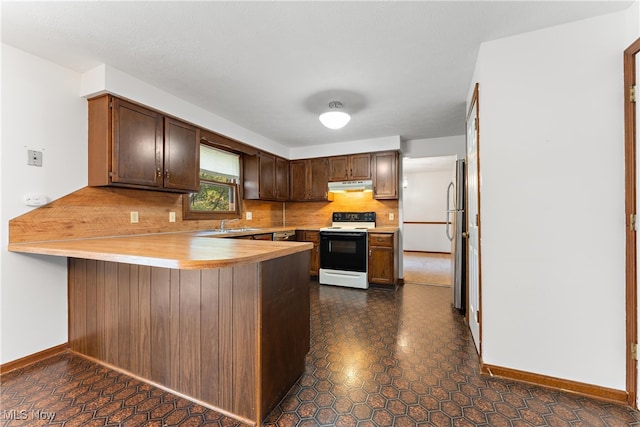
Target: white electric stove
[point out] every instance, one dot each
(343, 249)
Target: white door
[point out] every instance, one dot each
(473, 221)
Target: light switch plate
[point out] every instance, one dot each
(172, 217)
(134, 217)
(391, 217)
(249, 215)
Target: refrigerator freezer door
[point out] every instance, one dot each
(458, 244)
(458, 254)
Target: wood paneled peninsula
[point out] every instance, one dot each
(224, 322)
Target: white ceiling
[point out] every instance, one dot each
(401, 68)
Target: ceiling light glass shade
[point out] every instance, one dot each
(335, 118)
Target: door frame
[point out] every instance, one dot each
(475, 103)
(630, 214)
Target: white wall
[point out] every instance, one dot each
(435, 147)
(390, 143)
(552, 200)
(425, 200)
(42, 110)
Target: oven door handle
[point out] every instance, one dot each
(330, 234)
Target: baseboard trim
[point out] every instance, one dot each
(33, 358)
(575, 387)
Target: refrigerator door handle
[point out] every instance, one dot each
(449, 210)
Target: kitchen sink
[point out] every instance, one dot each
(228, 230)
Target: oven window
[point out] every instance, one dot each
(342, 247)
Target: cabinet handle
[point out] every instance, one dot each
(369, 252)
(166, 175)
(159, 173)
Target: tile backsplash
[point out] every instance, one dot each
(319, 213)
(104, 211)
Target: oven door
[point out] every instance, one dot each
(346, 251)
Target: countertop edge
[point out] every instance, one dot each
(254, 254)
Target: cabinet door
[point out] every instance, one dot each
(267, 183)
(319, 178)
(314, 261)
(385, 175)
(282, 179)
(381, 265)
(298, 178)
(360, 166)
(137, 145)
(250, 177)
(181, 155)
(338, 168)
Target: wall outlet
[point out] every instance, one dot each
(35, 199)
(34, 158)
(391, 217)
(172, 217)
(249, 216)
(134, 217)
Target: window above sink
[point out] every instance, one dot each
(219, 176)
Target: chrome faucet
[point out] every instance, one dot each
(223, 222)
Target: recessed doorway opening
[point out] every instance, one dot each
(426, 248)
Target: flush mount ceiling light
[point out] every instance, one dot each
(335, 118)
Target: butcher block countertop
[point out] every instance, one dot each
(185, 250)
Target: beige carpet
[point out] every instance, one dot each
(427, 268)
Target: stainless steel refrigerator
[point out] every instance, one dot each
(455, 227)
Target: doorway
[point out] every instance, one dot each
(426, 249)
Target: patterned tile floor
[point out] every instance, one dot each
(378, 358)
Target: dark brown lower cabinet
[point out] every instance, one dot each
(312, 236)
(234, 338)
(383, 258)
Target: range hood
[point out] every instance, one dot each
(344, 186)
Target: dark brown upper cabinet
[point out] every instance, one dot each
(181, 155)
(350, 168)
(384, 173)
(309, 178)
(282, 179)
(266, 177)
(134, 146)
